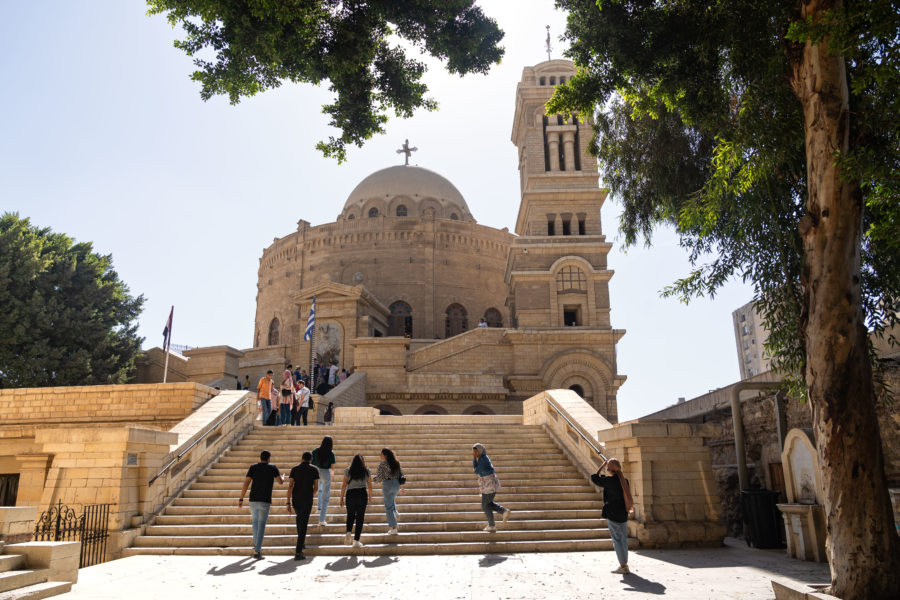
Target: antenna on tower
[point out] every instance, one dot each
(549, 47)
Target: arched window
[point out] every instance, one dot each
(351, 217)
(401, 210)
(454, 217)
(493, 317)
(543, 81)
(400, 321)
(571, 279)
(553, 80)
(273, 332)
(373, 212)
(562, 79)
(457, 320)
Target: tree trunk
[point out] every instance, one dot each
(862, 544)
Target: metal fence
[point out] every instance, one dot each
(61, 523)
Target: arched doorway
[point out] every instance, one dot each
(400, 320)
(274, 326)
(457, 320)
(493, 317)
(577, 389)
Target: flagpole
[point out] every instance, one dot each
(312, 345)
(167, 340)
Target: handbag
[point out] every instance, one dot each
(402, 479)
(312, 403)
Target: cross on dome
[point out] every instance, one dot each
(407, 151)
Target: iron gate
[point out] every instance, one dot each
(60, 523)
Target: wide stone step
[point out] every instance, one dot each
(403, 538)
(420, 459)
(419, 488)
(336, 515)
(46, 589)
(412, 496)
(457, 480)
(505, 470)
(510, 502)
(11, 562)
(486, 547)
(11, 580)
(336, 526)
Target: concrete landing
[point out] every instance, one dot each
(734, 571)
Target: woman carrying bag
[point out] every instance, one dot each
(389, 475)
(489, 485)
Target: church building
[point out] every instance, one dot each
(405, 274)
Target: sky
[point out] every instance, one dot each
(104, 137)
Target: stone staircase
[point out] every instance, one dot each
(554, 507)
(20, 583)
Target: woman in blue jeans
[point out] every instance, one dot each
(388, 474)
(323, 459)
(617, 503)
(489, 485)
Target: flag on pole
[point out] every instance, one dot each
(167, 331)
(310, 322)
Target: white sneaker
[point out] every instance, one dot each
(622, 570)
(490, 529)
(506, 514)
(348, 538)
(392, 531)
(357, 544)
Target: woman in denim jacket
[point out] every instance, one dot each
(489, 485)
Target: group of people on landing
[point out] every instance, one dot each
(313, 476)
(289, 401)
(316, 471)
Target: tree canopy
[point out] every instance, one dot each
(258, 44)
(66, 317)
(767, 134)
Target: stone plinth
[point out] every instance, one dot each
(804, 513)
(804, 525)
(61, 558)
(17, 523)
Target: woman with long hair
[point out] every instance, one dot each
(388, 474)
(489, 485)
(323, 459)
(358, 487)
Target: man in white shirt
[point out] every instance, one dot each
(303, 397)
(332, 375)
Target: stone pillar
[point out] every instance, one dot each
(32, 476)
(553, 149)
(569, 149)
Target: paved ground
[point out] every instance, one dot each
(734, 571)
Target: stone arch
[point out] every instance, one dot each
(431, 409)
(373, 212)
(388, 409)
(456, 320)
(493, 317)
(478, 409)
(274, 332)
(367, 207)
(396, 202)
(570, 261)
(400, 321)
(580, 366)
(352, 212)
(430, 203)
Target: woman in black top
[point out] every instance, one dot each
(617, 503)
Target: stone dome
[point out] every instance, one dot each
(411, 184)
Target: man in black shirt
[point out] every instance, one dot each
(617, 503)
(303, 484)
(263, 476)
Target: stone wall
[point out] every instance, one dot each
(761, 441)
(161, 403)
(667, 465)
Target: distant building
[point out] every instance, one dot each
(750, 335)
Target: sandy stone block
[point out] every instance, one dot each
(61, 558)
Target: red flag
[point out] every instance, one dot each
(167, 331)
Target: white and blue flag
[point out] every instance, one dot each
(310, 322)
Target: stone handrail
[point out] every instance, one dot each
(572, 422)
(202, 437)
(450, 346)
(350, 392)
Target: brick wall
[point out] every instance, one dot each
(159, 403)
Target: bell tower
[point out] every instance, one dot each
(557, 275)
(557, 269)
